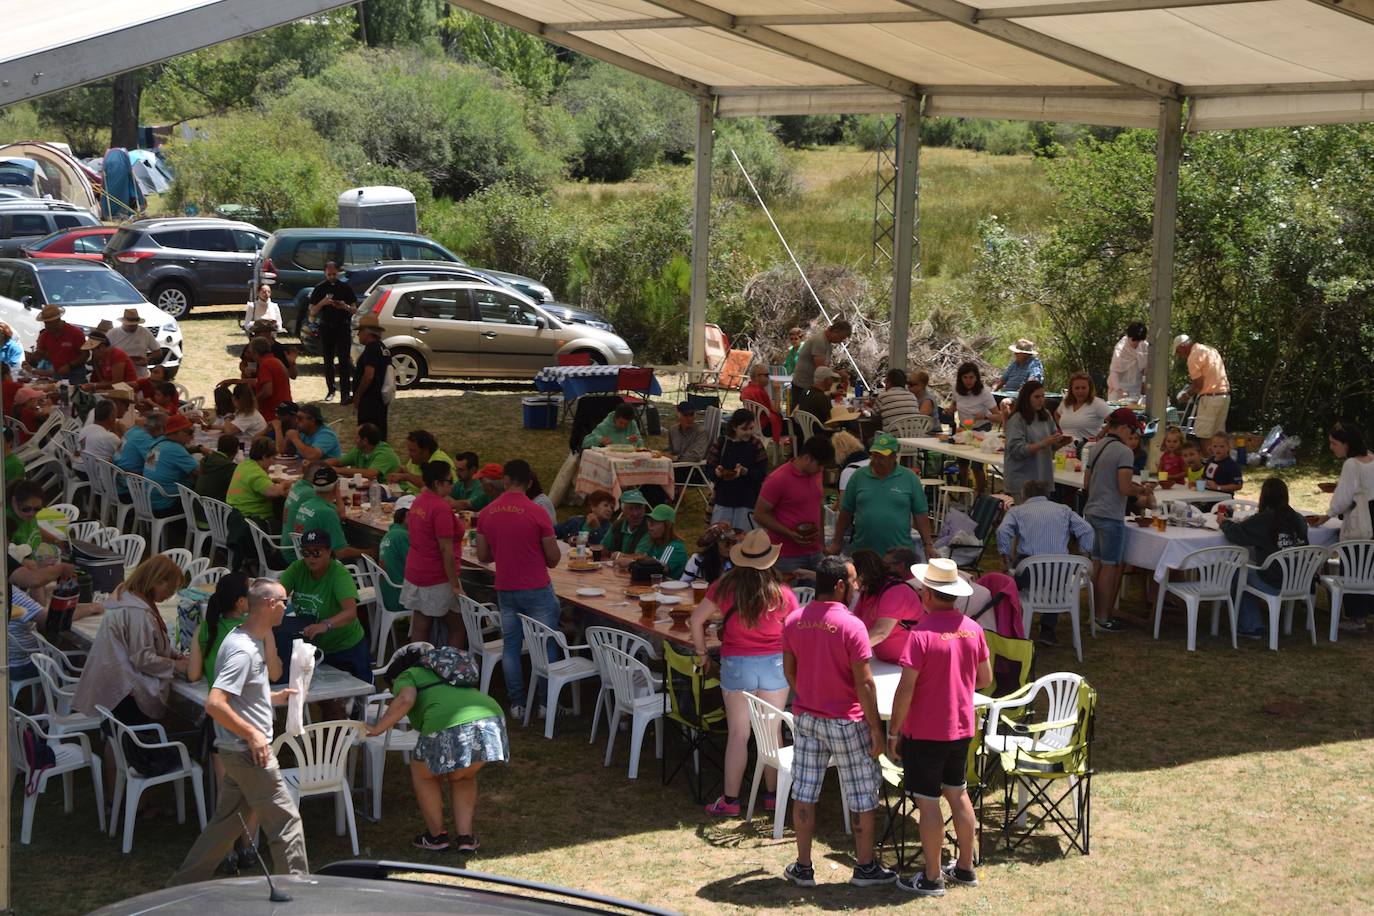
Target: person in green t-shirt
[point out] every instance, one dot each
(461, 730)
(26, 501)
(372, 457)
(468, 491)
(663, 544)
(321, 586)
(251, 491)
(628, 533)
(421, 448)
(883, 501)
(392, 554)
(323, 510)
(14, 465)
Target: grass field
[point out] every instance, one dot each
(1227, 779)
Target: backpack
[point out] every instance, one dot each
(455, 667)
(38, 756)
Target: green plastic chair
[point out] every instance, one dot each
(692, 702)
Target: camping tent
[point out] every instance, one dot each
(123, 199)
(61, 178)
(150, 172)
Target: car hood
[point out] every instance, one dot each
(25, 321)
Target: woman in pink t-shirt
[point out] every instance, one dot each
(885, 601)
(754, 604)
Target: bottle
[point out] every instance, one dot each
(374, 494)
(357, 491)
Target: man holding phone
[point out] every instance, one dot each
(333, 303)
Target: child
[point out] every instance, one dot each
(1171, 456)
(1193, 468)
(1222, 471)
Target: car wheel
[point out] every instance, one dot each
(409, 367)
(597, 358)
(174, 299)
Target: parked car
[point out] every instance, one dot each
(389, 273)
(183, 262)
(90, 293)
(23, 221)
(86, 244)
(293, 262)
(470, 328)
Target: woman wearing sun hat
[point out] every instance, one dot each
(754, 604)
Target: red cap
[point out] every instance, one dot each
(1124, 416)
(491, 471)
(175, 423)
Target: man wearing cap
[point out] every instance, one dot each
(371, 456)
(60, 344)
(312, 438)
(945, 660)
(431, 584)
(392, 552)
(1207, 384)
(421, 448)
(101, 437)
(826, 661)
(628, 533)
(818, 351)
(370, 374)
(1107, 484)
(322, 587)
(109, 365)
(517, 535)
(1025, 365)
(1039, 527)
(1130, 363)
(687, 441)
(883, 502)
(333, 302)
(169, 463)
(322, 510)
(789, 505)
(136, 340)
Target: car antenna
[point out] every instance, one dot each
(274, 895)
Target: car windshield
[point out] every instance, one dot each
(86, 286)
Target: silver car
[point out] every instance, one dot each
(438, 329)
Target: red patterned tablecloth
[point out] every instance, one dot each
(601, 469)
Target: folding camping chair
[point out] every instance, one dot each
(986, 512)
(685, 698)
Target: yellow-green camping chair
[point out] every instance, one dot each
(693, 703)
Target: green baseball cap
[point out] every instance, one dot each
(663, 513)
(633, 496)
(884, 444)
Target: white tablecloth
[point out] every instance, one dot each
(885, 678)
(1161, 551)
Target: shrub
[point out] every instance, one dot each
(799, 131)
(526, 59)
(874, 132)
(624, 122)
(761, 154)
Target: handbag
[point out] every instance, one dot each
(644, 569)
(38, 756)
(457, 667)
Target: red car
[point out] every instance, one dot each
(86, 243)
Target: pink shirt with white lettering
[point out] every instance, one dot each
(898, 601)
(946, 649)
(764, 637)
(795, 498)
(827, 641)
(515, 527)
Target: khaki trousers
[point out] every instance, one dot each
(1211, 415)
(248, 788)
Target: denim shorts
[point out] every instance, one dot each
(752, 672)
(1109, 539)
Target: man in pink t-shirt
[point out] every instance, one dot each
(825, 658)
(432, 585)
(932, 721)
(516, 534)
(789, 505)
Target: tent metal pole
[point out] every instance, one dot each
(1168, 152)
(906, 239)
(701, 232)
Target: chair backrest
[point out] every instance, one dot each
(63, 662)
(1053, 580)
(141, 492)
(685, 688)
(210, 577)
(1299, 567)
(575, 359)
(1013, 662)
(711, 425)
(1357, 560)
(197, 566)
(805, 594)
(759, 411)
(362, 578)
(807, 423)
(716, 346)
(189, 499)
(131, 547)
(916, 427)
(217, 516)
(635, 378)
(590, 411)
(735, 370)
(629, 677)
(104, 478)
(82, 531)
(600, 638)
(321, 753)
(766, 721)
(69, 512)
(538, 635)
(1059, 692)
(986, 513)
(376, 578)
(1233, 503)
(262, 541)
(104, 536)
(1216, 567)
(58, 687)
(181, 557)
(476, 618)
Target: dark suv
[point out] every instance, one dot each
(28, 220)
(186, 261)
(293, 262)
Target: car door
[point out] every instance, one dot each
(444, 321)
(247, 244)
(216, 261)
(513, 339)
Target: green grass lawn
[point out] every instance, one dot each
(1227, 779)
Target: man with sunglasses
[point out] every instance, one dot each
(322, 587)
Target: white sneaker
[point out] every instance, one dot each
(517, 713)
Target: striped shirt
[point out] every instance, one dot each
(896, 404)
(1039, 527)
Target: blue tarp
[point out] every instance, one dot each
(122, 198)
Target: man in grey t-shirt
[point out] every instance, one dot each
(1107, 483)
(240, 703)
(816, 352)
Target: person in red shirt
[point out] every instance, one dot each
(517, 535)
(431, 586)
(757, 391)
(946, 658)
(789, 505)
(270, 380)
(109, 365)
(8, 386)
(61, 345)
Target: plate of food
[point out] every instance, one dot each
(577, 565)
(591, 592)
(673, 586)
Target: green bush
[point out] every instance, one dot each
(762, 155)
(527, 59)
(624, 122)
(800, 131)
(872, 132)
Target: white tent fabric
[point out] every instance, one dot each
(62, 176)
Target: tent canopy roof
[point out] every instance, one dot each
(1241, 63)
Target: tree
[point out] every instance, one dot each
(625, 122)
(387, 23)
(527, 59)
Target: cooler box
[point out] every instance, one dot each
(541, 412)
(105, 567)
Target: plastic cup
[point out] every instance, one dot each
(648, 604)
(699, 587)
(1202, 486)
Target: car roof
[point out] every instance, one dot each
(414, 265)
(35, 203)
(450, 284)
(52, 263)
(206, 222)
(329, 232)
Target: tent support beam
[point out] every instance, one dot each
(906, 237)
(1363, 10)
(1168, 153)
(701, 234)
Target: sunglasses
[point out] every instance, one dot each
(314, 554)
(30, 510)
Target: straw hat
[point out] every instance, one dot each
(755, 550)
(95, 339)
(51, 312)
(942, 575)
(1024, 345)
(131, 316)
(843, 414)
(369, 322)
(121, 391)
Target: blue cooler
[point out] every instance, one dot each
(542, 412)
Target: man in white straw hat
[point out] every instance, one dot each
(932, 722)
(1207, 383)
(1025, 365)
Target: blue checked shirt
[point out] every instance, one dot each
(1039, 527)
(1017, 374)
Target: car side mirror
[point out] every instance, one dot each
(27, 302)
(539, 322)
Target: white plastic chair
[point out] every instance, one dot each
(59, 687)
(263, 543)
(70, 512)
(71, 752)
(210, 577)
(114, 507)
(68, 669)
(217, 516)
(367, 592)
(766, 721)
(1060, 690)
(141, 490)
(198, 566)
(131, 547)
(196, 536)
(1298, 566)
(1241, 503)
(1054, 584)
(805, 595)
(479, 620)
(633, 695)
(74, 477)
(130, 784)
(181, 557)
(807, 424)
(321, 753)
(400, 739)
(1217, 569)
(1356, 576)
(917, 427)
(629, 643)
(105, 536)
(569, 669)
(383, 619)
(83, 531)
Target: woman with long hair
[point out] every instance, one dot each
(246, 421)
(1352, 501)
(1082, 412)
(737, 464)
(1275, 526)
(885, 602)
(1032, 438)
(753, 603)
(973, 405)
